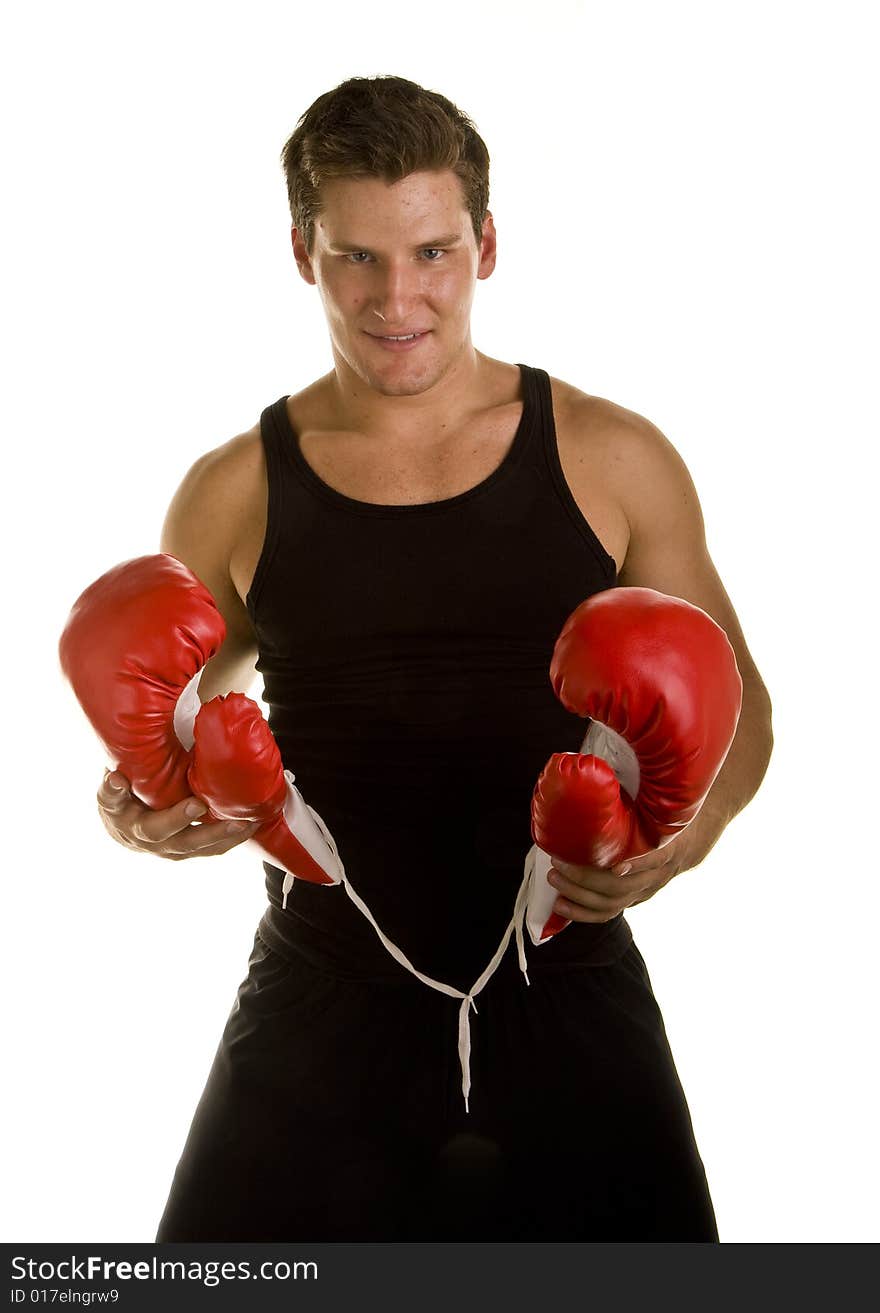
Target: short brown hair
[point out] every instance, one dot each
(381, 127)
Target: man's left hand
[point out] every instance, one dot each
(589, 893)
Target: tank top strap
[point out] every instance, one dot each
(536, 390)
(274, 430)
(273, 438)
(547, 466)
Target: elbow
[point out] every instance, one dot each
(768, 722)
(756, 720)
(761, 718)
(770, 739)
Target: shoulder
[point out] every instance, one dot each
(592, 423)
(645, 479)
(217, 517)
(229, 469)
(224, 490)
(624, 474)
(637, 463)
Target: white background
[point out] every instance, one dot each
(686, 225)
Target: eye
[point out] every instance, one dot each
(352, 257)
(437, 251)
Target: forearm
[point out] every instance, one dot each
(735, 785)
(587, 895)
(745, 764)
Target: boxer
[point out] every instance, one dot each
(398, 545)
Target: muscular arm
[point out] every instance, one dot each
(215, 525)
(665, 549)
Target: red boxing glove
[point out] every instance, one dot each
(658, 678)
(237, 771)
(133, 649)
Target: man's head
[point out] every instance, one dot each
(382, 127)
(388, 187)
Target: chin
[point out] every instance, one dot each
(401, 387)
(401, 377)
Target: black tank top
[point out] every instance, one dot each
(405, 656)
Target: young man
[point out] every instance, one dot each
(397, 547)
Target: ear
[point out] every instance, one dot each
(303, 263)
(487, 247)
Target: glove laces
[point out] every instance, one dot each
(514, 929)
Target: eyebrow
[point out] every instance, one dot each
(449, 239)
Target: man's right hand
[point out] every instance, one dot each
(169, 832)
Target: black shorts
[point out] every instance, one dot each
(333, 1111)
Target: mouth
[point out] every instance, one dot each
(399, 341)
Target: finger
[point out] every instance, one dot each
(576, 912)
(648, 877)
(585, 886)
(157, 827)
(114, 792)
(631, 872)
(587, 900)
(210, 840)
(609, 882)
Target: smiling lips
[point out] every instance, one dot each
(399, 342)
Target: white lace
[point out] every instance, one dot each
(515, 927)
(185, 713)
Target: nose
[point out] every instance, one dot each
(397, 292)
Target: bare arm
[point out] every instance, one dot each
(667, 551)
(216, 515)
(215, 525)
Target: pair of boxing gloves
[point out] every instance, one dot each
(656, 677)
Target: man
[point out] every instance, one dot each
(397, 546)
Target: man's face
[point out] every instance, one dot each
(395, 259)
